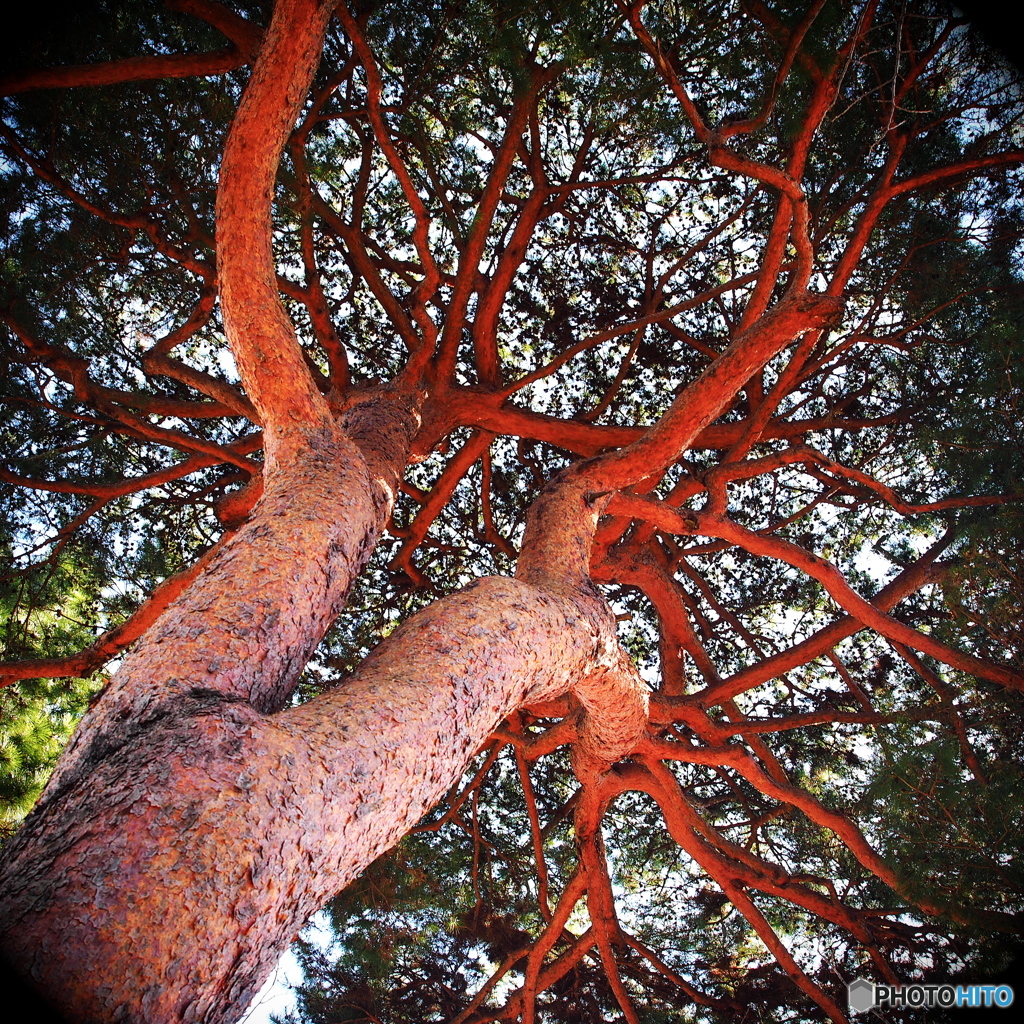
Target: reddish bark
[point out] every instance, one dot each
(196, 820)
(238, 826)
(164, 767)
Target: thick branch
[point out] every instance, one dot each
(261, 336)
(131, 69)
(713, 391)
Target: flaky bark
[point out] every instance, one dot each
(239, 636)
(197, 819)
(189, 831)
(196, 837)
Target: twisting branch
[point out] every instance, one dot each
(535, 831)
(909, 581)
(600, 902)
(435, 502)
(847, 598)
(472, 251)
(661, 784)
(712, 392)
(261, 336)
(532, 983)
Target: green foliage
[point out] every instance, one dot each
(36, 720)
(53, 618)
(919, 387)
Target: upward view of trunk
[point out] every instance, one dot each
(193, 825)
(182, 848)
(676, 342)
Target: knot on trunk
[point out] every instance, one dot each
(615, 703)
(232, 509)
(820, 310)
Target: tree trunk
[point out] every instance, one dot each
(189, 831)
(190, 834)
(193, 826)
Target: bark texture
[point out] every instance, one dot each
(198, 817)
(230, 827)
(143, 796)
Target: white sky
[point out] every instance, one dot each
(276, 996)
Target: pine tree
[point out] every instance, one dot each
(574, 447)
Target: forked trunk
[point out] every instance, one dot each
(190, 833)
(192, 825)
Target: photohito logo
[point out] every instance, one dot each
(863, 995)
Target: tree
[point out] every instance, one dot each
(703, 317)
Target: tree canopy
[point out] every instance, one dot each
(747, 275)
